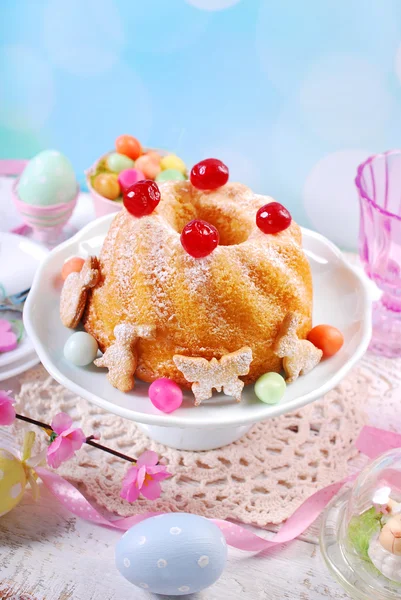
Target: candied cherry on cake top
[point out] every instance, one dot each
(142, 197)
(273, 218)
(209, 174)
(199, 238)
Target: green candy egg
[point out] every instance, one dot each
(170, 175)
(47, 179)
(119, 162)
(270, 388)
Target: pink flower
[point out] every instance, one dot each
(7, 411)
(8, 339)
(144, 478)
(66, 442)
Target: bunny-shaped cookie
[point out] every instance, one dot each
(299, 356)
(121, 358)
(75, 292)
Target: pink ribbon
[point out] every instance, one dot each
(371, 442)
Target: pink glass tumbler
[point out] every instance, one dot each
(379, 186)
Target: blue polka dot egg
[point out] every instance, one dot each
(172, 554)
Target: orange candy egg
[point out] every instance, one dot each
(327, 338)
(149, 164)
(128, 145)
(73, 265)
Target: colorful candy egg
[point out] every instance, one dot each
(129, 146)
(129, 177)
(119, 162)
(327, 338)
(172, 554)
(165, 395)
(80, 349)
(106, 184)
(170, 175)
(12, 481)
(73, 265)
(48, 179)
(171, 161)
(149, 165)
(270, 388)
(155, 156)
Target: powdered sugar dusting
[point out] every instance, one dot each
(237, 296)
(158, 267)
(197, 273)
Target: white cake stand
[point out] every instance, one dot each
(341, 298)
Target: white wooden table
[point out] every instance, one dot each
(48, 554)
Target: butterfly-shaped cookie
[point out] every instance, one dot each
(218, 374)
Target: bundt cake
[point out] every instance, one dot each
(237, 296)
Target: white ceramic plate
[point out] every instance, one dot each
(19, 260)
(341, 299)
(19, 366)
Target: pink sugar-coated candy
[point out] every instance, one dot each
(8, 339)
(165, 395)
(129, 177)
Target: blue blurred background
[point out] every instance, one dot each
(291, 95)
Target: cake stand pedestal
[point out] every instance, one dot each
(194, 439)
(341, 298)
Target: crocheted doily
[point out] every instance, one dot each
(260, 479)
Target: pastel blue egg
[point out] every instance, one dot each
(47, 179)
(172, 554)
(80, 349)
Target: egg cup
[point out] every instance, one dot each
(47, 222)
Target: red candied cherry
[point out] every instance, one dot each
(273, 218)
(199, 238)
(142, 197)
(209, 174)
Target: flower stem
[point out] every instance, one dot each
(109, 450)
(34, 422)
(89, 439)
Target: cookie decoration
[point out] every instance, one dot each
(299, 356)
(121, 358)
(220, 374)
(75, 292)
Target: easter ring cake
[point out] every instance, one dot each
(206, 302)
